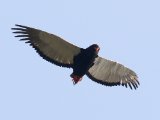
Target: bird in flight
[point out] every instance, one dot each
(83, 61)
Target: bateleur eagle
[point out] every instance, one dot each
(83, 61)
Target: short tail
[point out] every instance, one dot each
(76, 78)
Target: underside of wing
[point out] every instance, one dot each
(51, 47)
(111, 73)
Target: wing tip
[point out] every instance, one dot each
(19, 27)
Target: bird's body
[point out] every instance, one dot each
(83, 61)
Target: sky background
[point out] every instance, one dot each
(128, 31)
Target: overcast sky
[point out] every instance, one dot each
(128, 31)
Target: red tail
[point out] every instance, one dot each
(76, 78)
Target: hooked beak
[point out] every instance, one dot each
(97, 49)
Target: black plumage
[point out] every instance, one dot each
(83, 61)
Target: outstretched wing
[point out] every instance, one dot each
(51, 47)
(112, 73)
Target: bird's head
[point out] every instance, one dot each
(94, 48)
